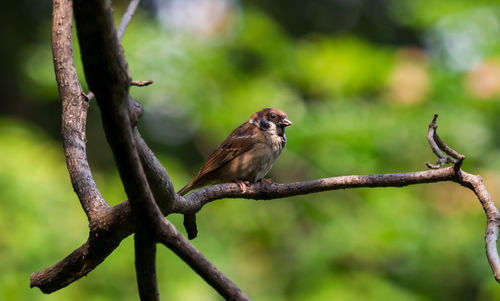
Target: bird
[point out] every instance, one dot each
(244, 157)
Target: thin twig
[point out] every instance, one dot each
(126, 18)
(442, 159)
(141, 83)
(88, 96)
(475, 183)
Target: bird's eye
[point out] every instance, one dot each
(273, 116)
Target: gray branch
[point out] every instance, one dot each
(127, 17)
(74, 114)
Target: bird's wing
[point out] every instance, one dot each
(241, 140)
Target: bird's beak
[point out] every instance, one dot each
(286, 122)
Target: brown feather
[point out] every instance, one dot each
(238, 142)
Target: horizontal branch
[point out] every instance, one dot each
(163, 189)
(141, 83)
(121, 220)
(263, 191)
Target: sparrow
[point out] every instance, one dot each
(245, 157)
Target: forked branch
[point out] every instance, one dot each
(106, 222)
(474, 183)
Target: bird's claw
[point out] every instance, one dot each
(243, 185)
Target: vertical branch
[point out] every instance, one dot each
(108, 77)
(74, 112)
(145, 265)
(475, 183)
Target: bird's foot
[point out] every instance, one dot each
(266, 181)
(243, 185)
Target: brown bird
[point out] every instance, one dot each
(245, 157)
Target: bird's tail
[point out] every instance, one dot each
(184, 190)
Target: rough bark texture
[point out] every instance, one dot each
(74, 112)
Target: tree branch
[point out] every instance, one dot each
(438, 146)
(145, 266)
(262, 191)
(141, 83)
(475, 183)
(74, 112)
(158, 178)
(113, 100)
(127, 16)
(106, 235)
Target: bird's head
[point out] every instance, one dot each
(271, 120)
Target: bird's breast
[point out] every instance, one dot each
(277, 143)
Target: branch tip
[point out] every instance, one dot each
(88, 96)
(141, 83)
(438, 147)
(433, 123)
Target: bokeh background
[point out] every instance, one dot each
(360, 79)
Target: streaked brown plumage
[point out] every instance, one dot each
(246, 155)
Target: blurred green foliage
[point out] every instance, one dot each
(358, 106)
